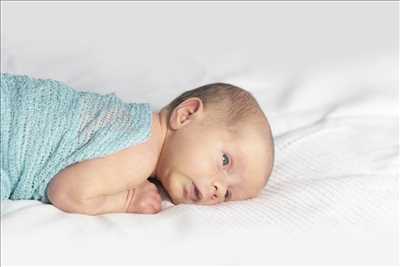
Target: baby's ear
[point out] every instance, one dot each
(186, 112)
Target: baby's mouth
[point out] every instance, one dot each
(197, 192)
(193, 193)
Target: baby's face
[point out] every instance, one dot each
(212, 165)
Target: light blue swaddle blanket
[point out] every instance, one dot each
(47, 125)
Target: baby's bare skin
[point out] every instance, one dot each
(145, 199)
(194, 164)
(108, 184)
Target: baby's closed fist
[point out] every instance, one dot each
(146, 199)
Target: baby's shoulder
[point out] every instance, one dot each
(137, 161)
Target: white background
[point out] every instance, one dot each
(325, 73)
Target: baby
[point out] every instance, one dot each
(89, 153)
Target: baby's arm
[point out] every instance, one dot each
(143, 199)
(103, 185)
(114, 203)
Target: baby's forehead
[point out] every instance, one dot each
(253, 153)
(247, 136)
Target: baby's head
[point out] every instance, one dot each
(218, 146)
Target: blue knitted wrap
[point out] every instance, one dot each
(47, 126)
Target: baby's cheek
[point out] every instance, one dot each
(178, 182)
(170, 187)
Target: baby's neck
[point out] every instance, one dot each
(158, 134)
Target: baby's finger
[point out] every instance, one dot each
(155, 203)
(156, 207)
(155, 194)
(158, 197)
(150, 187)
(151, 209)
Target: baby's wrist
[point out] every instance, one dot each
(129, 200)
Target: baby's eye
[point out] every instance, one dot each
(225, 160)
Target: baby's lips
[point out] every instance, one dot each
(197, 192)
(190, 193)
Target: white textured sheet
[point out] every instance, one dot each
(325, 74)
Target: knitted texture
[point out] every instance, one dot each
(47, 126)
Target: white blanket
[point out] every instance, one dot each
(324, 73)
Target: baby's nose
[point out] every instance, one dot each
(218, 192)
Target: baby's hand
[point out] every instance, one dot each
(146, 199)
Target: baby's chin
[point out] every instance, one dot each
(174, 196)
(171, 191)
(174, 187)
(170, 196)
